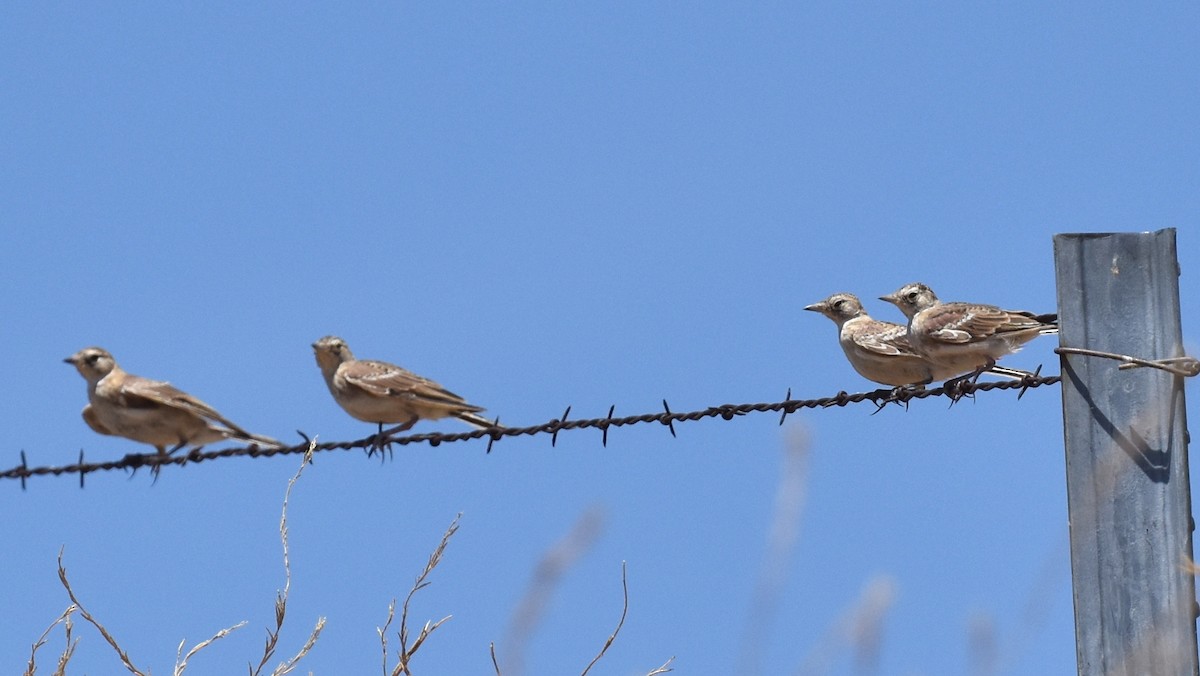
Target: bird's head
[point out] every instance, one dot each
(912, 298)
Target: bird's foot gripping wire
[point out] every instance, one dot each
(381, 441)
(962, 386)
(378, 443)
(901, 395)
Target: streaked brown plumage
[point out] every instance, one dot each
(965, 337)
(150, 411)
(379, 392)
(877, 350)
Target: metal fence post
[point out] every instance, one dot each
(1126, 453)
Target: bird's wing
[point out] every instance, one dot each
(138, 392)
(966, 323)
(89, 417)
(883, 338)
(382, 379)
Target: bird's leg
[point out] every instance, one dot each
(903, 393)
(376, 442)
(163, 454)
(379, 441)
(900, 390)
(402, 427)
(388, 433)
(900, 394)
(954, 386)
(991, 364)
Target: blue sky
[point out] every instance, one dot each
(542, 205)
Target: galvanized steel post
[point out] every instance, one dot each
(1126, 452)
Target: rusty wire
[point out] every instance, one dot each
(1186, 367)
(880, 398)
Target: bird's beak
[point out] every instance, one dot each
(69, 360)
(815, 307)
(891, 298)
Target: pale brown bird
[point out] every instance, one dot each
(966, 337)
(878, 350)
(150, 411)
(379, 392)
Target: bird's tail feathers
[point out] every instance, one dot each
(242, 435)
(1049, 322)
(477, 420)
(1016, 374)
(1027, 322)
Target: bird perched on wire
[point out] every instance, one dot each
(379, 392)
(966, 338)
(878, 350)
(150, 411)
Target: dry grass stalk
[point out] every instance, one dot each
(62, 576)
(665, 668)
(69, 650)
(553, 565)
(790, 496)
(406, 653)
(983, 653)
(858, 631)
(181, 665)
(281, 597)
(288, 666)
(620, 623)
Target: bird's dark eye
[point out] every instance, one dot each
(92, 359)
(911, 296)
(838, 305)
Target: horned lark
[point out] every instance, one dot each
(150, 411)
(966, 337)
(879, 351)
(379, 392)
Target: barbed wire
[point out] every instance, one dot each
(880, 398)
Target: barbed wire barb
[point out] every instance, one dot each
(494, 437)
(607, 422)
(667, 419)
(786, 410)
(155, 462)
(1025, 387)
(554, 434)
